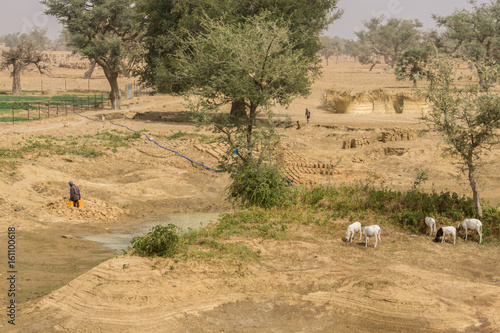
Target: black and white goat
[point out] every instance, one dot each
(444, 231)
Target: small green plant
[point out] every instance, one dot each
(160, 241)
(125, 266)
(421, 178)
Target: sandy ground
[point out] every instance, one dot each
(317, 284)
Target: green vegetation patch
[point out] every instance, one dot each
(320, 209)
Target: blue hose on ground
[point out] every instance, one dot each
(156, 143)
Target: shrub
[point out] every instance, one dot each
(259, 185)
(160, 241)
(409, 219)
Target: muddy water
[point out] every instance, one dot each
(185, 221)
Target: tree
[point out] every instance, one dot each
(473, 35)
(466, 115)
(24, 54)
(411, 65)
(169, 22)
(108, 32)
(37, 36)
(255, 62)
(386, 40)
(331, 47)
(11, 40)
(60, 43)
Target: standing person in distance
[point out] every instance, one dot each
(74, 193)
(308, 115)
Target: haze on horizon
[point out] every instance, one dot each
(22, 16)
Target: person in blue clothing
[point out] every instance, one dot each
(74, 193)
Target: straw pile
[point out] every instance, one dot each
(374, 101)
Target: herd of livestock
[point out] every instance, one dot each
(441, 233)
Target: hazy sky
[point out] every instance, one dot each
(22, 15)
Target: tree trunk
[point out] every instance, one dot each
(88, 73)
(114, 94)
(475, 194)
(373, 65)
(238, 109)
(251, 121)
(16, 79)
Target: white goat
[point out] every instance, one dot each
(446, 231)
(472, 224)
(352, 229)
(430, 223)
(371, 231)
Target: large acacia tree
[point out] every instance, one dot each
(108, 32)
(170, 21)
(467, 116)
(255, 62)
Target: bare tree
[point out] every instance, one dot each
(20, 57)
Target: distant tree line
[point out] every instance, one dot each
(39, 38)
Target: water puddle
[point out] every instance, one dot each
(185, 221)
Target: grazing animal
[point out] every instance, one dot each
(444, 231)
(371, 231)
(352, 230)
(431, 224)
(472, 224)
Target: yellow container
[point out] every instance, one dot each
(69, 203)
(80, 203)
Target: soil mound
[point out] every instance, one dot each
(94, 209)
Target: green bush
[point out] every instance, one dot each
(160, 241)
(408, 219)
(259, 185)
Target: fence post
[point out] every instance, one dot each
(28, 112)
(57, 108)
(95, 102)
(48, 109)
(12, 113)
(65, 107)
(73, 104)
(39, 112)
(88, 103)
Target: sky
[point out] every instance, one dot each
(22, 15)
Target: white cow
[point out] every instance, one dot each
(431, 224)
(371, 231)
(472, 224)
(352, 229)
